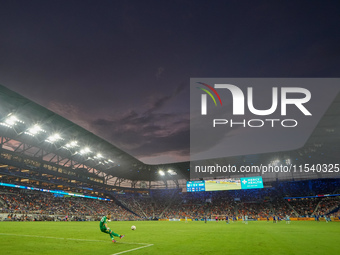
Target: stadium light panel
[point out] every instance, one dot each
(53, 138)
(85, 150)
(172, 172)
(161, 173)
(99, 155)
(71, 144)
(11, 121)
(274, 162)
(34, 130)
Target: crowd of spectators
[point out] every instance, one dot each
(257, 203)
(304, 207)
(45, 206)
(169, 204)
(327, 205)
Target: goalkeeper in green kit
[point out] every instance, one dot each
(104, 228)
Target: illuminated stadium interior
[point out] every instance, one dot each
(42, 151)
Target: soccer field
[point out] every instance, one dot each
(66, 238)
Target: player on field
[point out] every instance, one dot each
(317, 217)
(287, 219)
(104, 228)
(227, 219)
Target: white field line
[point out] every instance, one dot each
(145, 246)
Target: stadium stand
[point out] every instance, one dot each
(169, 204)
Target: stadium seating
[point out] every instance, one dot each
(21, 204)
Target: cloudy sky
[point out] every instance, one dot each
(121, 69)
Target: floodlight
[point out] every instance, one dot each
(275, 162)
(11, 121)
(161, 172)
(34, 130)
(71, 144)
(172, 172)
(53, 138)
(85, 150)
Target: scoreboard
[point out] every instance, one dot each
(195, 186)
(225, 184)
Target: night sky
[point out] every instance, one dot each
(121, 69)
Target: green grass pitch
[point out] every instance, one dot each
(85, 238)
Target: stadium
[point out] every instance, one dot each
(56, 175)
(169, 127)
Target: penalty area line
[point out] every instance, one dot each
(142, 247)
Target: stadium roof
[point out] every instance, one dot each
(41, 133)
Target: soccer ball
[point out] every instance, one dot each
(133, 227)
